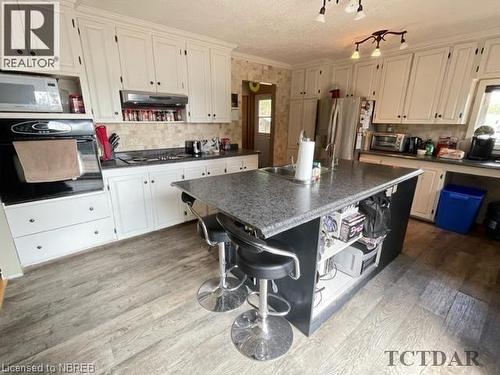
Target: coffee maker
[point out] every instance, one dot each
(413, 144)
(481, 148)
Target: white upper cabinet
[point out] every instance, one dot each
(170, 65)
(342, 76)
(426, 80)
(220, 68)
(209, 83)
(102, 65)
(298, 82)
(198, 68)
(455, 95)
(70, 60)
(136, 60)
(306, 83)
(295, 122)
(365, 79)
(392, 89)
(490, 62)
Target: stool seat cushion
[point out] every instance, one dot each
(215, 231)
(265, 265)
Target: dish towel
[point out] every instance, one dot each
(48, 160)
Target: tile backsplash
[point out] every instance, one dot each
(151, 135)
(426, 131)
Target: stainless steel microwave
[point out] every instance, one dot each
(388, 142)
(26, 93)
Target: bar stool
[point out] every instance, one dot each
(262, 334)
(222, 293)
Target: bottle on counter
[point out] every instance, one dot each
(429, 147)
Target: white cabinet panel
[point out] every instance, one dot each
(170, 65)
(298, 82)
(490, 61)
(220, 67)
(342, 79)
(136, 60)
(36, 217)
(392, 89)
(309, 117)
(167, 209)
(312, 81)
(295, 122)
(455, 95)
(427, 192)
(365, 79)
(102, 65)
(41, 247)
(70, 52)
(131, 201)
(216, 168)
(198, 67)
(426, 80)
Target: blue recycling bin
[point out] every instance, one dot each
(458, 207)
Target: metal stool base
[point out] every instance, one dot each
(261, 339)
(214, 298)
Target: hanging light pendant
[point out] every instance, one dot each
(353, 6)
(377, 37)
(360, 13)
(321, 16)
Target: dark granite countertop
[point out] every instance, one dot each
(464, 162)
(126, 155)
(273, 204)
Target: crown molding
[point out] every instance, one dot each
(119, 19)
(260, 60)
(318, 62)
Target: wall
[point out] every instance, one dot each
(136, 136)
(9, 264)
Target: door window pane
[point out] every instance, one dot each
(264, 115)
(490, 111)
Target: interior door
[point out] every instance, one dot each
(131, 202)
(262, 127)
(198, 70)
(136, 60)
(167, 208)
(365, 79)
(426, 80)
(220, 67)
(102, 66)
(342, 79)
(392, 89)
(295, 122)
(454, 96)
(297, 85)
(170, 65)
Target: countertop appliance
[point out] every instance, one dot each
(340, 122)
(13, 189)
(481, 148)
(136, 99)
(394, 142)
(413, 144)
(28, 93)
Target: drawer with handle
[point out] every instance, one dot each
(40, 247)
(37, 217)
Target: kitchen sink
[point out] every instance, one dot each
(288, 172)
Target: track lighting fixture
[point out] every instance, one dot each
(353, 6)
(377, 37)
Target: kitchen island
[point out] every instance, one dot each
(293, 213)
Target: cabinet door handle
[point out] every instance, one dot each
(145, 182)
(404, 116)
(96, 232)
(91, 208)
(244, 167)
(399, 116)
(209, 115)
(151, 82)
(158, 83)
(31, 220)
(116, 113)
(440, 116)
(39, 247)
(208, 173)
(203, 174)
(152, 181)
(214, 114)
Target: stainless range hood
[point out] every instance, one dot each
(131, 99)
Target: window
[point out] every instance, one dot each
(488, 107)
(264, 108)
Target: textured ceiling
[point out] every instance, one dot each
(285, 30)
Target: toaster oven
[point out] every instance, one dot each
(394, 142)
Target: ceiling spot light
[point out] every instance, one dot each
(377, 37)
(403, 44)
(360, 12)
(376, 52)
(351, 6)
(321, 16)
(355, 54)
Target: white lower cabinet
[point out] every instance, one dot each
(428, 187)
(165, 198)
(44, 246)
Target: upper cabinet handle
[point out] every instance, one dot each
(158, 83)
(151, 82)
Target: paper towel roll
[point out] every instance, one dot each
(303, 169)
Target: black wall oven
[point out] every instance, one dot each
(14, 189)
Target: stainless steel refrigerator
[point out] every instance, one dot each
(340, 122)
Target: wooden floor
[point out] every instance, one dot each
(130, 308)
